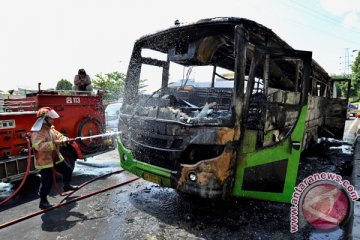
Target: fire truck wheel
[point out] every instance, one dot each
(69, 155)
(90, 126)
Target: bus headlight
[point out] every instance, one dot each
(125, 157)
(192, 177)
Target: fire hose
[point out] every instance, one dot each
(29, 161)
(68, 202)
(62, 202)
(25, 176)
(72, 140)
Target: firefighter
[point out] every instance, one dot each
(46, 142)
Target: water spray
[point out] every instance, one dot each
(94, 136)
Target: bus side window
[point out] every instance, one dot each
(281, 114)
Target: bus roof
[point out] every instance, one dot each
(224, 27)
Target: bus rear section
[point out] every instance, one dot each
(243, 138)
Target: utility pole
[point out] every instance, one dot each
(346, 62)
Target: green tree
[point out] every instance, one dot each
(111, 83)
(342, 86)
(64, 84)
(355, 76)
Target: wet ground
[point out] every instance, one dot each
(169, 215)
(142, 210)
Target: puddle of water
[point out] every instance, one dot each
(5, 189)
(94, 168)
(345, 149)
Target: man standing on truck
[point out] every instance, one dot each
(46, 142)
(82, 81)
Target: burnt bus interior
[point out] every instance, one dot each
(184, 124)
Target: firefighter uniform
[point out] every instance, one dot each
(46, 142)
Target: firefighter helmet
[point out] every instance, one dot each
(47, 112)
(41, 115)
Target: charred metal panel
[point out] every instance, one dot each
(133, 76)
(314, 120)
(325, 118)
(281, 117)
(200, 96)
(269, 177)
(167, 144)
(335, 113)
(241, 39)
(214, 176)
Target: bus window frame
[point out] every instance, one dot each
(241, 99)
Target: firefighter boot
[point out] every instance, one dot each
(69, 187)
(44, 203)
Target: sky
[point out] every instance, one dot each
(48, 40)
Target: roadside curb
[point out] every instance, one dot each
(355, 226)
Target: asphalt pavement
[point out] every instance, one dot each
(356, 183)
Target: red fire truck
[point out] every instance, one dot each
(81, 115)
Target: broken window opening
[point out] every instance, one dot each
(187, 94)
(274, 105)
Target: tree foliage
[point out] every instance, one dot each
(355, 77)
(111, 83)
(354, 94)
(63, 84)
(342, 86)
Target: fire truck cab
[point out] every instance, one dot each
(81, 114)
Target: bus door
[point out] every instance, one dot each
(273, 122)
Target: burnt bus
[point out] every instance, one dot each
(244, 139)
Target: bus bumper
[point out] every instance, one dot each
(146, 171)
(205, 178)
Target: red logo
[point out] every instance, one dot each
(325, 205)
